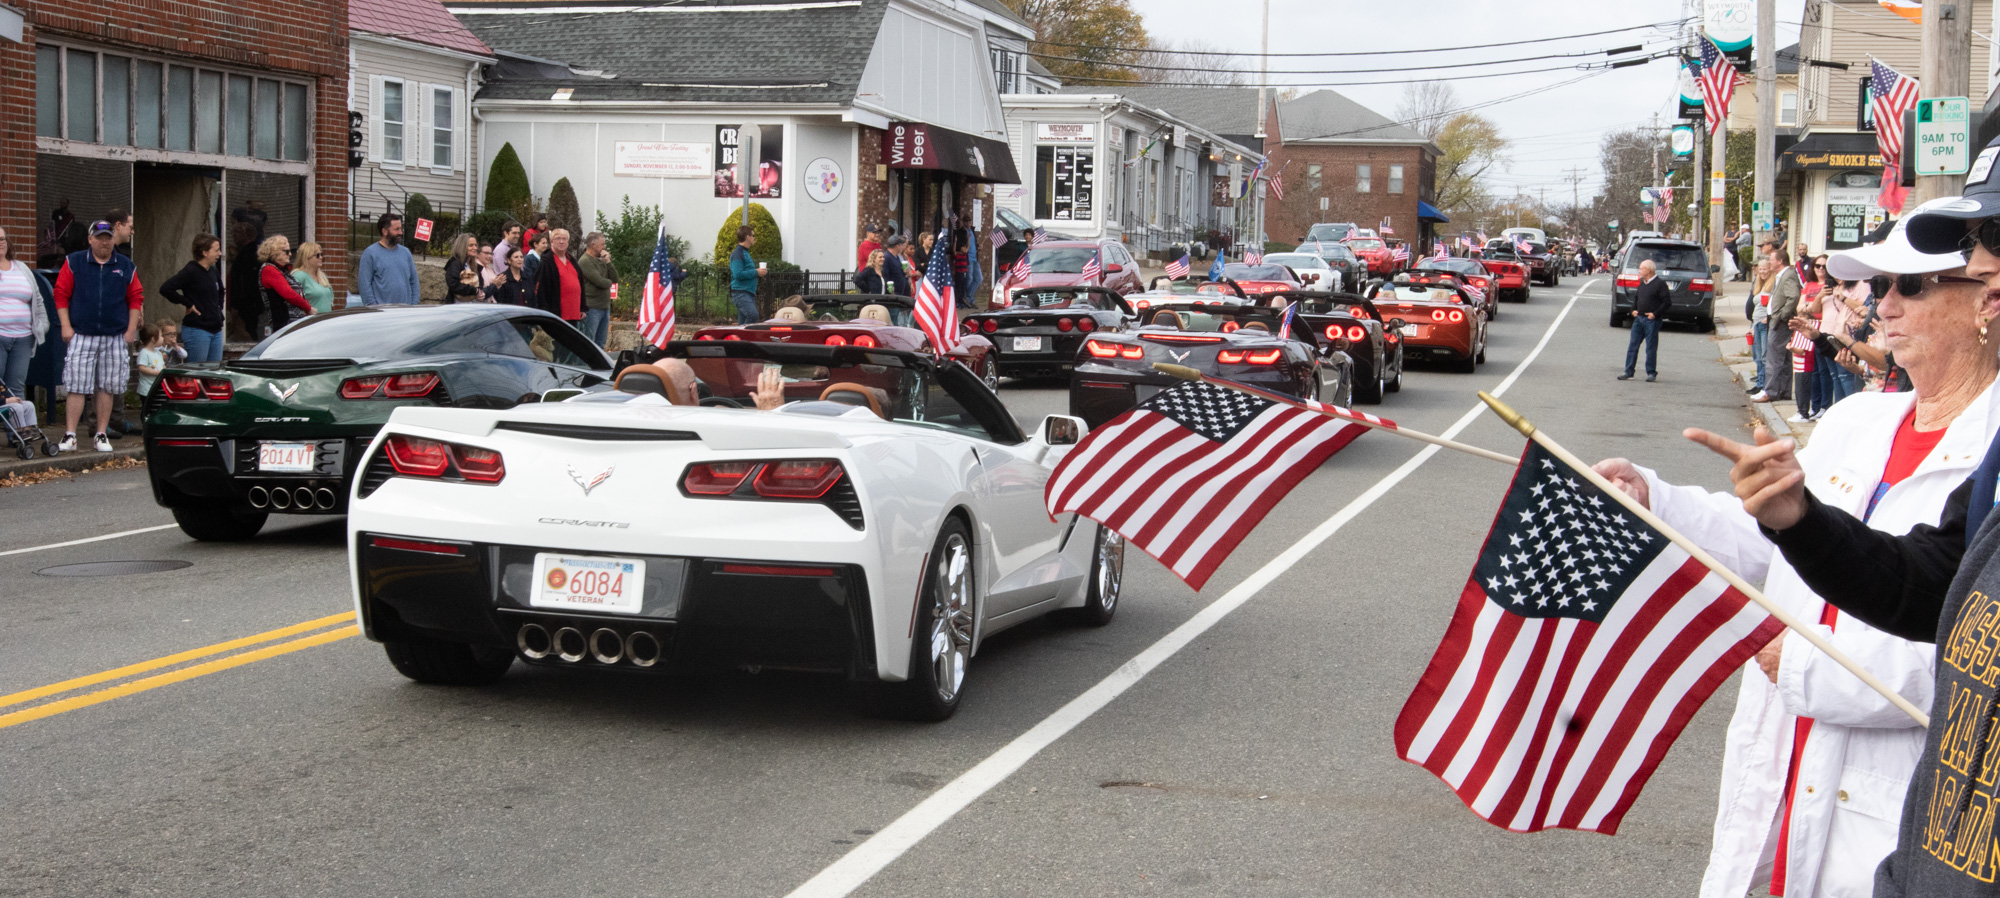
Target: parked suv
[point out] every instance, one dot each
(1683, 264)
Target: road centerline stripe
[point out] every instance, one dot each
(118, 673)
(89, 539)
(863, 861)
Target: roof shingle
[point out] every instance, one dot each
(422, 21)
(1324, 114)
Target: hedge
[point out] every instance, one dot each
(770, 246)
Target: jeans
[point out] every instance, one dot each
(597, 325)
(1646, 330)
(14, 355)
(202, 346)
(1843, 383)
(746, 306)
(1760, 332)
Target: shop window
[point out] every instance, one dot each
(442, 120)
(1362, 175)
(117, 100)
(48, 91)
(298, 112)
(1313, 173)
(146, 89)
(1395, 179)
(391, 116)
(265, 125)
(180, 108)
(208, 112)
(81, 96)
(1065, 183)
(236, 112)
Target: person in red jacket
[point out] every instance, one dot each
(283, 298)
(871, 240)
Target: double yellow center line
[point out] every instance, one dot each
(317, 632)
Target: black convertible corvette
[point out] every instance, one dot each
(1374, 342)
(1224, 336)
(281, 428)
(1043, 329)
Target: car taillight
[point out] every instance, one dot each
(184, 388)
(1100, 349)
(1333, 331)
(1628, 279)
(808, 478)
(1086, 325)
(361, 387)
(1249, 356)
(1481, 282)
(1437, 314)
(1702, 285)
(866, 341)
(1455, 316)
(480, 465)
(704, 336)
(989, 325)
(410, 386)
(421, 457)
(716, 478)
(733, 337)
(1065, 325)
(1142, 304)
(835, 340)
(968, 327)
(1356, 333)
(1229, 327)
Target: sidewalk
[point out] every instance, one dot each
(13, 468)
(1730, 328)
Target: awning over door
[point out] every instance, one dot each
(1428, 212)
(981, 160)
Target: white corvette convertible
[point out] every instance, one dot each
(879, 525)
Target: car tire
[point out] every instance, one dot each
(1706, 323)
(1619, 319)
(989, 373)
(219, 523)
(943, 643)
(1369, 390)
(449, 663)
(1395, 386)
(1107, 577)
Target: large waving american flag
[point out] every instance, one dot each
(937, 314)
(1894, 95)
(1717, 76)
(1582, 644)
(1188, 473)
(656, 305)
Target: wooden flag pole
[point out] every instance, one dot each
(1811, 635)
(1185, 373)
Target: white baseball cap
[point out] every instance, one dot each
(1894, 255)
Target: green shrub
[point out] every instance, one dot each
(489, 225)
(507, 188)
(770, 243)
(1272, 246)
(441, 224)
(563, 211)
(418, 206)
(632, 239)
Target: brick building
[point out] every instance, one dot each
(1343, 162)
(197, 115)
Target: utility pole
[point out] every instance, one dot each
(1264, 71)
(1694, 190)
(1766, 45)
(1718, 155)
(1947, 72)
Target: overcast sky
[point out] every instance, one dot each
(1551, 131)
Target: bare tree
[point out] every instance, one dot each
(1188, 62)
(1426, 106)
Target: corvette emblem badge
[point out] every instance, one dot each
(284, 394)
(590, 483)
(1180, 356)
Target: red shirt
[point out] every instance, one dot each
(572, 289)
(868, 248)
(274, 280)
(1908, 451)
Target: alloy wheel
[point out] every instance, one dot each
(951, 617)
(1110, 567)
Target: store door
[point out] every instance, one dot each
(170, 205)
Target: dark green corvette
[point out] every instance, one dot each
(281, 429)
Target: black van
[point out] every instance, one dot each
(1684, 264)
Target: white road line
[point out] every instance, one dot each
(868, 858)
(90, 539)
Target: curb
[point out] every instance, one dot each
(1765, 411)
(70, 461)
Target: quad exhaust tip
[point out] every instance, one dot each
(281, 498)
(642, 648)
(534, 642)
(570, 645)
(604, 645)
(607, 646)
(259, 497)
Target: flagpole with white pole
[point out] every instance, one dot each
(1811, 635)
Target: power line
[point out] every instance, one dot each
(1539, 40)
(1107, 80)
(1406, 68)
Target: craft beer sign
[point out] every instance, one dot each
(1944, 136)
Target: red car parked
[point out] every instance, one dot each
(1060, 263)
(1375, 252)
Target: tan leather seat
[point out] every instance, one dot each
(1257, 326)
(642, 379)
(855, 395)
(789, 313)
(875, 312)
(1168, 318)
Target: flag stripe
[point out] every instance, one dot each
(1253, 491)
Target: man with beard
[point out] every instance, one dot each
(388, 273)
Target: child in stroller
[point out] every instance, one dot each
(17, 417)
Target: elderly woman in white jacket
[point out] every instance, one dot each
(1890, 459)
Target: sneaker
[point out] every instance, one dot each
(68, 443)
(1798, 419)
(103, 443)
(1760, 396)
(1652, 377)
(1624, 377)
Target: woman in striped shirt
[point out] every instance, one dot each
(24, 322)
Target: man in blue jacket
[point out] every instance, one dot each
(388, 274)
(98, 298)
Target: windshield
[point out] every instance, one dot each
(1332, 252)
(364, 335)
(1669, 258)
(1328, 232)
(1061, 260)
(1364, 243)
(1038, 299)
(1416, 294)
(1241, 272)
(1462, 266)
(904, 395)
(1296, 260)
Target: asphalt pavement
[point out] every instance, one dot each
(1230, 742)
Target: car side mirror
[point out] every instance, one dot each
(1113, 268)
(1062, 430)
(1396, 325)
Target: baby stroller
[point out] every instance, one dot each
(23, 436)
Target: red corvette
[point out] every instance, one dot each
(1441, 322)
(866, 320)
(1256, 280)
(1510, 275)
(1374, 252)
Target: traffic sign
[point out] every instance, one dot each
(1760, 217)
(1944, 136)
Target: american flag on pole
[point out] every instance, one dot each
(1440, 255)
(1717, 76)
(1285, 323)
(1472, 290)
(1400, 254)
(936, 313)
(1582, 644)
(1278, 185)
(1252, 257)
(1178, 268)
(656, 305)
(1894, 95)
(1037, 235)
(1465, 243)
(1092, 270)
(1188, 473)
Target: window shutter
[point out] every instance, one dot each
(374, 108)
(461, 125)
(417, 147)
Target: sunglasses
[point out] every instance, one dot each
(1987, 234)
(1911, 286)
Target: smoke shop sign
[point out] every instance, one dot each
(1834, 160)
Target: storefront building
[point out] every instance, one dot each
(198, 117)
(1834, 180)
(872, 112)
(1101, 165)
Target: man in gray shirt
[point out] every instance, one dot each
(388, 273)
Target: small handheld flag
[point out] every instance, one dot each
(1400, 254)
(1285, 324)
(1092, 270)
(1252, 257)
(1440, 255)
(1179, 268)
(656, 305)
